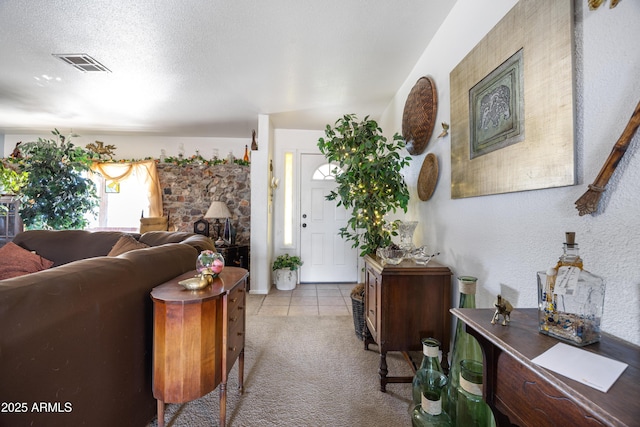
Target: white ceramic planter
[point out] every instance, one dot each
(285, 279)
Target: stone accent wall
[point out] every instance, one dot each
(189, 190)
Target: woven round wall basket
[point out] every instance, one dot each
(419, 115)
(428, 177)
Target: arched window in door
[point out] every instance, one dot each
(327, 171)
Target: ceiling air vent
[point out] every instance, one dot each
(82, 62)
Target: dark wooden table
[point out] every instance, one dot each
(522, 393)
(197, 337)
(403, 304)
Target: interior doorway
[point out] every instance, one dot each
(328, 258)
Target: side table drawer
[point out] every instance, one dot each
(538, 403)
(236, 305)
(371, 302)
(235, 344)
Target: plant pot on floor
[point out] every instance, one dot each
(285, 279)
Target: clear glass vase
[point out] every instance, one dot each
(406, 230)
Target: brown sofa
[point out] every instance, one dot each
(76, 339)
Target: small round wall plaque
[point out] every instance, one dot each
(419, 115)
(428, 177)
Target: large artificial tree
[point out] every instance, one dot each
(369, 181)
(58, 193)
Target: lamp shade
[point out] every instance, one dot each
(218, 210)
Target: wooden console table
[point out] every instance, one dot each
(197, 337)
(405, 303)
(522, 393)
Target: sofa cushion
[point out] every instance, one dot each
(124, 244)
(16, 261)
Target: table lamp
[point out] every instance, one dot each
(216, 211)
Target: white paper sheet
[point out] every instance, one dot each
(591, 369)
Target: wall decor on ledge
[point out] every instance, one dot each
(512, 110)
(419, 116)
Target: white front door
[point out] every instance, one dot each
(327, 257)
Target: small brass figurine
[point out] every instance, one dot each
(504, 309)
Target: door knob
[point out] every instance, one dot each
(304, 225)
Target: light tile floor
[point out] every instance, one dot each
(333, 299)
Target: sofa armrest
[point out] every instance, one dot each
(161, 263)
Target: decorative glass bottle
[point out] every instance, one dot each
(246, 153)
(471, 410)
(570, 299)
(464, 345)
(429, 412)
(430, 362)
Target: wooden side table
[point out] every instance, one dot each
(197, 337)
(237, 256)
(403, 304)
(522, 393)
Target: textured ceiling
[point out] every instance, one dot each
(205, 67)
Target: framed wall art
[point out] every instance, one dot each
(512, 108)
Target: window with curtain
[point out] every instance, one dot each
(127, 191)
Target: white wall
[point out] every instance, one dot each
(261, 210)
(504, 239)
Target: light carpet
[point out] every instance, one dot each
(304, 371)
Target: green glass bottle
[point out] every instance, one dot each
(471, 410)
(464, 345)
(429, 412)
(430, 361)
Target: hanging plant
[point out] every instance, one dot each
(370, 184)
(58, 194)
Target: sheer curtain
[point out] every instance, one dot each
(146, 173)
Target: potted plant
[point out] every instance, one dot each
(285, 268)
(58, 194)
(370, 184)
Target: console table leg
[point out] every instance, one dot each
(223, 404)
(241, 371)
(383, 371)
(160, 413)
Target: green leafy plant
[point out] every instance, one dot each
(12, 179)
(370, 183)
(58, 194)
(286, 261)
